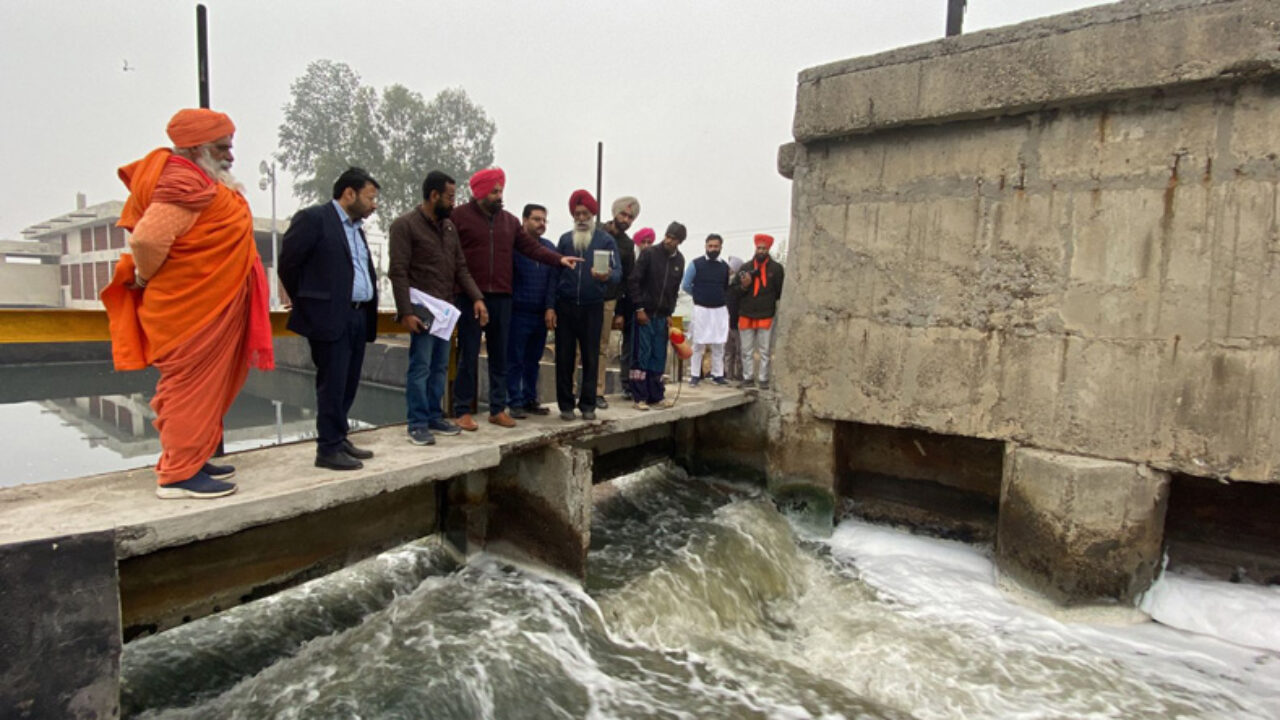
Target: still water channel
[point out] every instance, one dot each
(703, 601)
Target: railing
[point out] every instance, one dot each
(67, 326)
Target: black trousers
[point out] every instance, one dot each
(338, 364)
(577, 330)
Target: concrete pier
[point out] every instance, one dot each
(1060, 237)
(89, 562)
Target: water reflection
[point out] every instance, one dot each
(70, 420)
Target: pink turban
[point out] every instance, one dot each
(196, 126)
(582, 197)
(645, 236)
(483, 182)
(762, 239)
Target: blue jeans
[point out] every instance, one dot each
(424, 385)
(495, 336)
(524, 356)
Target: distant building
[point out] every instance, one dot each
(88, 244)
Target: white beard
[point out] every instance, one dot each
(581, 239)
(218, 171)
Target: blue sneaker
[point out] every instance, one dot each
(719, 380)
(199, 486)
(444, 427)
(219, 472)
(693, 381)
(421, 436)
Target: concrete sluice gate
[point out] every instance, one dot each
(1033, 271)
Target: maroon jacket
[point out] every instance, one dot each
(489, 244)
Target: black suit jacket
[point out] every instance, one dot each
(316, 271)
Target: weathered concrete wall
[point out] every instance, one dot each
(1063, 233)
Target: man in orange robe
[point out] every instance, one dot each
(190, 297)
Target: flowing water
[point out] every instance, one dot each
(703, 601)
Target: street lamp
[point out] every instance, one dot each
(269, 178)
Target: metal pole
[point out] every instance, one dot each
(202, 53)
(275, 246)
(599, 175)
(955, 17)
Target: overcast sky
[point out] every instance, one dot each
(691, 99)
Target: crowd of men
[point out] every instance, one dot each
(190, 299)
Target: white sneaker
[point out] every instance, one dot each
(641, 406)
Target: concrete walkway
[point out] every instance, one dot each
(281, 482)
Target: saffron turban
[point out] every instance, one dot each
(646, 236)
(196, 126)
(582, 197)
(762, 239)
(628, 203)
(483, 182)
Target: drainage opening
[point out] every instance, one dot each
(1227, 530)
(945, 485)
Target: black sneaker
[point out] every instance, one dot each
(199, 486)
(517, 413)
(588, 414)
(536, 409)
(566, 415)
(219, 472)
(763, 385)
(719, 380)
(443, 427)
(746, 384)
(338, 461)
(355, 452)
(421, 436)
(601, 403)
(693, 381)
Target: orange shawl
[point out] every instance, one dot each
(205, 270)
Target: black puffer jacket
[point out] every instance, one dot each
(654, 283)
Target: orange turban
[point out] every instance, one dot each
(762, 239)
(483, 182)
(582, 197)
(196, 126)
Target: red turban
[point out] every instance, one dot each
(765, 240)
(582, 197)
(645, 236)
(196, 126)
(483, 182)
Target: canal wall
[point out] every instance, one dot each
(1060, 237)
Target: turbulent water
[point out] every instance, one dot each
(703, 602)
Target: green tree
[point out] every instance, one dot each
(332, 121)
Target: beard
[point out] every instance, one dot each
(581, 237)
(220, 171)
(490, 206)
(441, 211)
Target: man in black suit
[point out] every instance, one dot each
(327, 271)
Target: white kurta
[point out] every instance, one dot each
(710, 325)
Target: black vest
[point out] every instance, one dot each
(710, 280)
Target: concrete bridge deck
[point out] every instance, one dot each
(89, 563)
(280, 482)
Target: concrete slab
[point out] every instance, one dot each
(281, 482)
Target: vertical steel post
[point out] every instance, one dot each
(202, 53)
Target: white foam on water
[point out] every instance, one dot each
(1239, 613)
(1037, 659)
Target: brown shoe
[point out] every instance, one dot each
(502, 419)
(466, 422)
